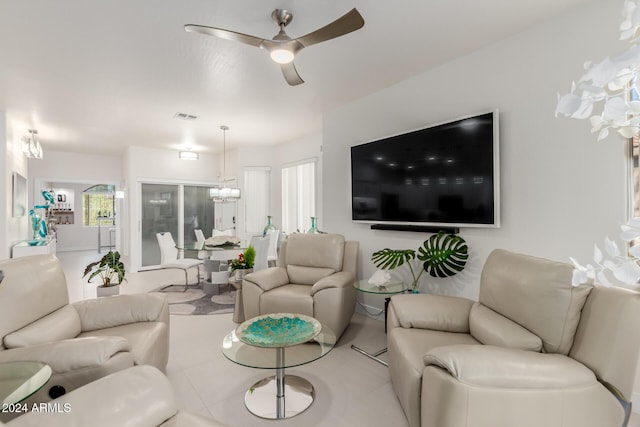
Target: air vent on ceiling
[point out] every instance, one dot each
(184, 116)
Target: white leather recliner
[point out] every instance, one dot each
(533, 351)
(136, 397)
(82, 341)
(314, 277)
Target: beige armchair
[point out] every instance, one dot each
(314, 276)
(135, 397)
(82, 341)
(533, 351)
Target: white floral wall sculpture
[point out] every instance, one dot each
(623, 265)
(608, 95)
(601, 94)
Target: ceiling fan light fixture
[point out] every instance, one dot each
(283, 48)
(282, 56)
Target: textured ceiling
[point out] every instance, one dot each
(97, 76)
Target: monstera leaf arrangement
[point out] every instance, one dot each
(108, 268)
(442, 255)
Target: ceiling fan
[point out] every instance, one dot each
(283, 48)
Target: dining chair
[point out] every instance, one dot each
(261, 245)
(200, 243)
(169, 258)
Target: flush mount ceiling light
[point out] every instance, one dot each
(188, 155)
(283, 48)
(224, 193)
(31, 146)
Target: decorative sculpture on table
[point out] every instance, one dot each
(38, 223)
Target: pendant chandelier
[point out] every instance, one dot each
(224, 193)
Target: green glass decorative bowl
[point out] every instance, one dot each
(278, 330)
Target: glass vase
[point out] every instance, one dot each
(314, 226)
(269, 227)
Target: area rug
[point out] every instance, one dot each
(196, 302)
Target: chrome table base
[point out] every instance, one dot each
(280, 396)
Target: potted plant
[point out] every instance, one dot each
(111, 272)
(244, 263)
(442, 255)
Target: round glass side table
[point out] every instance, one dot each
(387, 290)
(278, 396)
(19, 380)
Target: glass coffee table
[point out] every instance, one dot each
(278, 396)
(386, 290)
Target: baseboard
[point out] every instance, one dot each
(635, 405)
(78, 248)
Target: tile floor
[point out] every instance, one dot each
(210, 385)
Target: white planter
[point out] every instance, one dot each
(107, 291)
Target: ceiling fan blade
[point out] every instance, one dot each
(291, 74)
(224, 34)
(349, 22)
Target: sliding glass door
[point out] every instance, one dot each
(160, 214)
(175, 208)
(198, 212)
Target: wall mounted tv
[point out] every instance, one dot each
(445, 175)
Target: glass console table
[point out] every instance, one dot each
(387, 290)
(279, 396)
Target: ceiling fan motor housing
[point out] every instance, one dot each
(282, 17)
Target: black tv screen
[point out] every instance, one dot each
(446, 175)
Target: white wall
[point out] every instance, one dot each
(12, 160)
(5, 247)
(561, 190)
(59, 166)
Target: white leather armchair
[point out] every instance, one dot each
(314, 276)
(82, 341)
(533, 351)
(140, 396)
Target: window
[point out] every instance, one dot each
(298, 196)
(97, 205)
(256, 198)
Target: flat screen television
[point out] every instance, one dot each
(444, 175)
